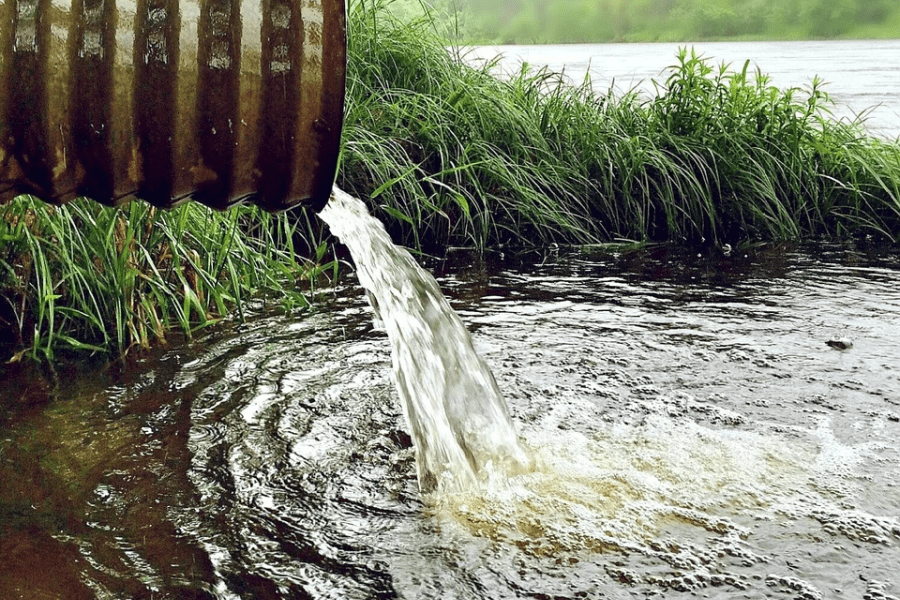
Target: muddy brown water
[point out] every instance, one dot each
(695, 435)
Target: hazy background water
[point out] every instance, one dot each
(859, 74)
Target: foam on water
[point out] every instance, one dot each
(683, 505)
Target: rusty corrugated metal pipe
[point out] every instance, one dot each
(219, 101)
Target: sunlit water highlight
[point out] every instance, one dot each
(692, 436)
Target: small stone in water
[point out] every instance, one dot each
(840, 344)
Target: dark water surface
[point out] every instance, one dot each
(694, 435)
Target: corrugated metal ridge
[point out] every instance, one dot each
(214, 100)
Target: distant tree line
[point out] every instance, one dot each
(523, 21)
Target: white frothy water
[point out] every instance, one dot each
(458, 420)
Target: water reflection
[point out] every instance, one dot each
(697, 436)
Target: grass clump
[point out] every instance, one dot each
(88, 278)
(449, 154)
(767, 163)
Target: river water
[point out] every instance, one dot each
(861, 76)
(694, 436)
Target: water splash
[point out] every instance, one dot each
(458, 419)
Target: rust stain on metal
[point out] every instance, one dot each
(218, 101)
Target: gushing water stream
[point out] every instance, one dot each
(458, 419)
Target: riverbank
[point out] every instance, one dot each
(448, 155)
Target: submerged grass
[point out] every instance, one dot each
(447, 154)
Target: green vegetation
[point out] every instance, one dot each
(446, 154)
(451, 155)
(562, 21)
(89, 278)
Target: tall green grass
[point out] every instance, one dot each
(449, 154)
(88, 278)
